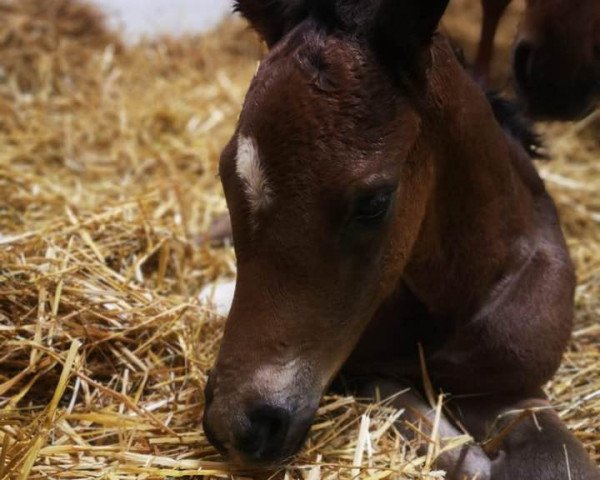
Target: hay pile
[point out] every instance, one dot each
(108, 160)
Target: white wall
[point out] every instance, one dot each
(140, 17)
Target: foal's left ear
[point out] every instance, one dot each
(266, 17)
(272, 19)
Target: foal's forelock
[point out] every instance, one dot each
(252, 174)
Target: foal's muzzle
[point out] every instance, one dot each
(260, 432)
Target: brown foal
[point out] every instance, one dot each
(377, 204)
(556, 60)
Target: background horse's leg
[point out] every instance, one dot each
(527, 436)
(493, 10)
(468, 461)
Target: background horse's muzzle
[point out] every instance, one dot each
(550, 91)
(256, 432)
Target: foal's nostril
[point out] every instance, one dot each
(266, 434)
(523, 64)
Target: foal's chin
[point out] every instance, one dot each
(243, 462)
(283, 454)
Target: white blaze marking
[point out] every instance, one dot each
(252, 174)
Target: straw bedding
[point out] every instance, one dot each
(107, 184)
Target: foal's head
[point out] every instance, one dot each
(325, 196)
(557, 57)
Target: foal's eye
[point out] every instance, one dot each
(372, 208)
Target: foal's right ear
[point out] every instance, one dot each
(272, 19)
(402, 28)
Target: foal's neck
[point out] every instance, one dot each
(481, 212)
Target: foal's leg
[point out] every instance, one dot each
(528, 436)
(464, 463)
(493, 10)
